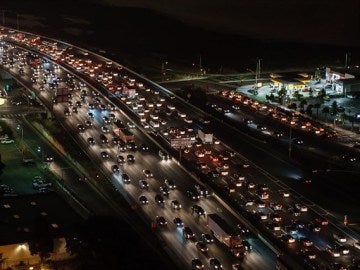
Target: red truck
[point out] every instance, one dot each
(225, 234)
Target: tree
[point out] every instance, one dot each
(311, 92)
(317, 107)
(309, 109)
(326, 110)
(334, 108)
(302, 104)
(282, 92)
(292, 106)
(41, 242)
(297, 95)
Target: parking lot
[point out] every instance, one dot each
(21, 202)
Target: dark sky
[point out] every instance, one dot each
(313, 21)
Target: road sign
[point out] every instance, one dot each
(179, 143)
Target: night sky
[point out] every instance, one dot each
(311, 21)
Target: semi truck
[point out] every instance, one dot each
(205, 137)
(226, 235)
(124, 135)
(122, 132)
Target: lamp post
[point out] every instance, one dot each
(17, 21)
(21, 144)
(290, 145)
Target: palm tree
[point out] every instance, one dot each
(292, 106)
(309, 109)
(334, 108)
(317, 106)
(303, 102)
(325, 110)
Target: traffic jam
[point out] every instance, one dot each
(117, 141)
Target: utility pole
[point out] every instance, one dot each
(346, 60)
(17, 21)
(290, 145)
(200, 64)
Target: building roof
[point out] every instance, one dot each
(355, 71)
(290, 77)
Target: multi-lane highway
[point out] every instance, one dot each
(153, 101)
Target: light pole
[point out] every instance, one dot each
(21, 144)
(290, 145)
(17, 21)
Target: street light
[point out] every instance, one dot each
(290, 145)
(21, 144)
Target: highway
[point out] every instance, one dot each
(244, 144)
(168, 170)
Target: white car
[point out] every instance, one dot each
(339, 238)
(7, 141)
(301, 207)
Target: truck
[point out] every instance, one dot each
(226, 235)
(124, 134)
(204, 136)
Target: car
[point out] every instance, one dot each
(163, 155)
(120, 159)
(322, 221)
(178, 222)
(130, 125)
(203, 191)
(159, 199)
(207, 238)
(247, 245)
(105, 129)
(313, 227)
(143, 184)
(7, 141)
(188, 233)
(306, 242)
(175, 204)
(81, 127)
(308, 253)
(237, 266)
(48, 158)
(348, 158)
(298, 141)
(104, 154)
(126, 178)
(300, 207)
(143, 200)
(340, 238)
(344, 250)
(288, 239)
(116, 140)
(284, 193)
(333, 252)
(88, 123)
(164, 190)
(170, 184)
(197, 264)
(131, 146)
(106, 120)
(242, 228)
(202, 247)
(215, 264)
(103, 138)
(198, 210)
(147, 173)
(115, 169)
(144, 147)
(160, 220)
(278, 134)
(193, 194)
(130, 158)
